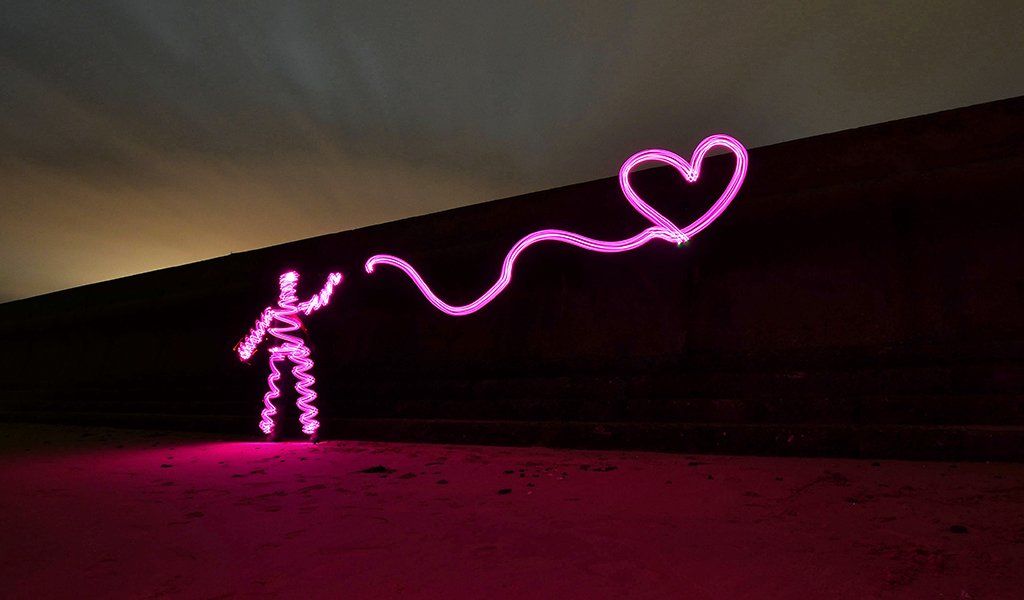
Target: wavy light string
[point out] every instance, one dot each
(291, 347)
(663, 229)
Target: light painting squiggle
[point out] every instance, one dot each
(663, 229)
(283, 320)
(291, 347)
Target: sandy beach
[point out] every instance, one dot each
(87, 512)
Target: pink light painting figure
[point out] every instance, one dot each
(282, 322)
(663, 228)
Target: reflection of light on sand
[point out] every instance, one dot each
(188, 517)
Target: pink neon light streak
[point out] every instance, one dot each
(663, 229)
(291, 347)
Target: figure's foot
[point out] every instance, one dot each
(312, 429)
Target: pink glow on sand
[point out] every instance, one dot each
(663, 229)
(126, 514)
(291, 347)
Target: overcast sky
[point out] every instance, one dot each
(139, 135)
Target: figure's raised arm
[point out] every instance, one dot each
(246, 347)
(320, 299)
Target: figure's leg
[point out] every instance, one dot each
(304, 388)
(267, 421)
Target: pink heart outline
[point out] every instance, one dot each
(691, 173)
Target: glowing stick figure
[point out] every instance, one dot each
(282, 322)
(663, 228)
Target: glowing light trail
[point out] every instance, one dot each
(663, 229)
(282, 322)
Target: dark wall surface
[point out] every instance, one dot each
(861, 296)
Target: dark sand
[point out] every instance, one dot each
(88, 512)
